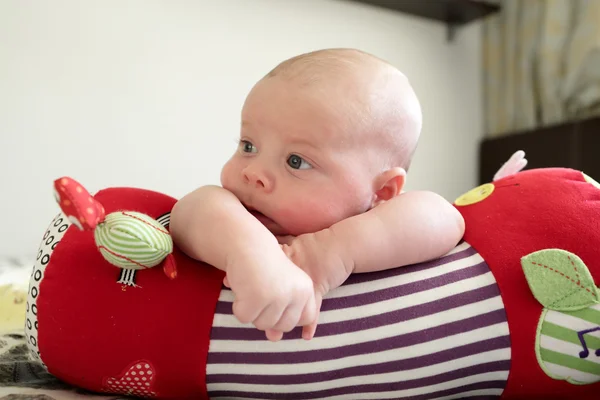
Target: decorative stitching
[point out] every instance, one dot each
(565, 296)
(578, 283)
(575, 268)
(123, 257)
(145, 222)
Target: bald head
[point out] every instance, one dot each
(382, 103)
(310, 67)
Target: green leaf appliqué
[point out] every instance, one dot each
(559, 280)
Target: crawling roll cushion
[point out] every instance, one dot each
(114, 323)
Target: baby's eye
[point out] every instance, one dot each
(247, 147)
(298, 162)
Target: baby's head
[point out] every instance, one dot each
(325, 135)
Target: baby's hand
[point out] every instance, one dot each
(271, 293)
(322, 260)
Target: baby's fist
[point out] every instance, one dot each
(320, 257)
(272, 293)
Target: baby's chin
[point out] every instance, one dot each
(288, 230)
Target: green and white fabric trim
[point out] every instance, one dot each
(133, 240)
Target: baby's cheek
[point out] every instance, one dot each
(227, 173)
(308, 217)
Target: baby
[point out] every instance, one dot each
(314, 191)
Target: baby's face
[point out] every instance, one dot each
(299, 167)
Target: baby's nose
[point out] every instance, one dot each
(258, 179)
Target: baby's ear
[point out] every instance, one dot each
(388, 185)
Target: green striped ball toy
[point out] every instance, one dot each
(133, 240)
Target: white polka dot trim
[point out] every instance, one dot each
(129, 382)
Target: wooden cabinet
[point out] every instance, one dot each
(572, 145)
(453, 13)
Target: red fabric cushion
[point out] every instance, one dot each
(99, 335)
(531, 211)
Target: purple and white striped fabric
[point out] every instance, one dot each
(436, 330)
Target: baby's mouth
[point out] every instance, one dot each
(258, 215)
(268, 223)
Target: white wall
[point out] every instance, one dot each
(147, 93)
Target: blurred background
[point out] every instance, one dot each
(147, 93)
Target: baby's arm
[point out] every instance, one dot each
(211, 225)
(410, 228)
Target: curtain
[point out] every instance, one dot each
(541, 64)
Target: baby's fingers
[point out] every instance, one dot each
(274, 335)
(309, 312)
(246, 311)
(308, 331)
(290, 317)
(269, 317)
